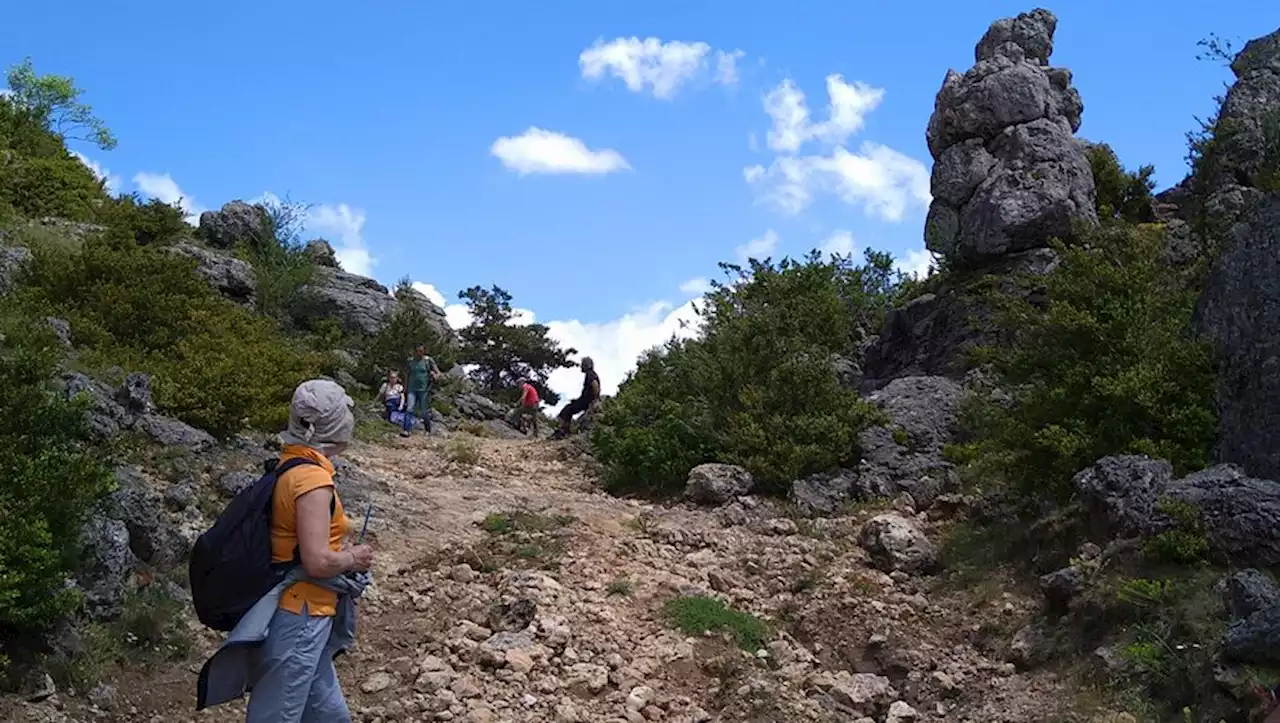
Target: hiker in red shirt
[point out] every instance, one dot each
(527, 408)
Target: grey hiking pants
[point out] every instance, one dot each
(293, 677)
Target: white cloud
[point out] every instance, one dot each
(109, 179)
(662, 68)
(917, 262)
(699, 286)
(758, 248)
(431, 292)
(541, 151)
(727, 66)
(616, 346)
(162, 187)
(343, 227)
(883, 180)
(792, 128)
(839, 243)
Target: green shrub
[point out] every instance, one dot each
(757, 387)
(697, 615)
(216, 365)
(282, 266)
(50, 481)
(58, 186)
(128, 217)
(500, 351)
(1121, 195)
(1109, 367)
(1185, 544)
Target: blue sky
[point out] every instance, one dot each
(390, 117)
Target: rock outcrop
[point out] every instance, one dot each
(322, 253)
(1009, 174)
(1240, 306)
(235, 222)
(1130, 496)
(108, 416)
(932, 334)
(232, 277)
(903, 456)
(13, 260)
(716, 484)
(894, 543)
(362, 305)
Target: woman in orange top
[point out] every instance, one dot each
(293, 677)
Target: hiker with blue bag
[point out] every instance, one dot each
(274, 571)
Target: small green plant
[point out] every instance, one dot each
(1185, 544)
(522, 538)
(642, 523)
(1145, 594)
(698, 615)
(809, 580)
(462, 451)
(1148, 656)
(960, 454)
(524, 521)
(475, 429)
(900, 437)
(152, 621)
(620, 586)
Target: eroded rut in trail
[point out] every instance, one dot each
(514, 590)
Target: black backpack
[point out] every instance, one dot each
(231, 566)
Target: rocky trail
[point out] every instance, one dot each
(513, 589)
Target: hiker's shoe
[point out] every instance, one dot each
(404, 434)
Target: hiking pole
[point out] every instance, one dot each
(363, 528)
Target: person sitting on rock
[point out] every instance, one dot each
(526, 410)
(391, 394)
(589, 398)
(422, 372)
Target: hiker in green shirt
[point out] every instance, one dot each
(422, 372)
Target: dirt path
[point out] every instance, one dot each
(514, 590)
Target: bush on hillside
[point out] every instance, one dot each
(216, 365)
(50, 480)
(1110, 367)
(757, 387)
(502, 351)
(1121, 195)
(59, 186)
(147, 223)
(281, 264)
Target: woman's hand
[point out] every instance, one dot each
(361, 557)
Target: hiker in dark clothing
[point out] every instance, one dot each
(590, 396)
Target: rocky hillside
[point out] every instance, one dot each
(1037, 486)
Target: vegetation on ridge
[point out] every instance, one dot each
(759, 384)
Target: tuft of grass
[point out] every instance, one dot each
(698, 615)
(524, 521)
(462, 451)
(475, 429)
(621, 587)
